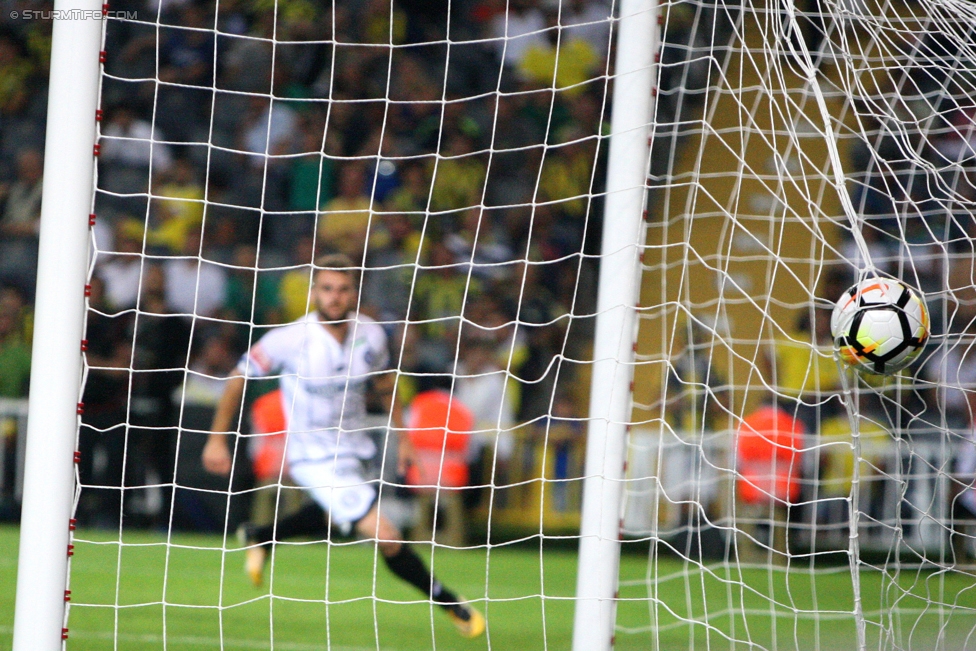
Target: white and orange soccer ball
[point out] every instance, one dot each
(880, 325)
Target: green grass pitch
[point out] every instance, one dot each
(188, 595)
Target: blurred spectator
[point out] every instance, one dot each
(878, 201)
(478, 243)
(516, 142)
(882, 249)
(293, 290)
(311, 174)
(307, 51)
(384, 23)
(769, 448)
(20, 221)
(15, 355)
(194, 286)
(345, 220)
(956, 368)
(489, 321)
(13, 301)
(459, 177)
(102, 435)
(268, 128)
(562, 60)
(210, 364)
(186, 60)
(416, 116)
(16, 69)
(586, 118)
(541, 320)
(951, 367)
(252, 295)
(232, 18)
(182, 50)
(246, 63)
(482, 385)
(128, 148)
(384, 178)
(225, 232)
(389, 269)
(804, 371)
(440, 427)
(588, 20)
(555, 240)
(121, 270)
(413, 193)
(517, 30)
(563, 431)
(439, 298)
(567, 173)
(697, 401)
(179, 206)
(161, 341)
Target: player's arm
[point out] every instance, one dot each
(216, 453)
(384, 390)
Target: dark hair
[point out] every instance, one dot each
(428, 381)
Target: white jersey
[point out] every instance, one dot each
(323, 384)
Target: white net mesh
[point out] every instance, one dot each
(842, 536)
(456, 153)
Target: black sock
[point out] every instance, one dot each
(408, 566)
(307, 521)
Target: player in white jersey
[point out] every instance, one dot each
(326, 364)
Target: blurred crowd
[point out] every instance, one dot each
(914, 184)
(913, 181)
(451, 149)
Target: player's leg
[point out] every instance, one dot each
(309, 520)
(404, 562)
(340, 495)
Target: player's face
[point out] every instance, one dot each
(333, 295)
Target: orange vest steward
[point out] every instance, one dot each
(768, 451)
(439, 428)
(268, 451)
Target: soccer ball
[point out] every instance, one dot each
(879, 325)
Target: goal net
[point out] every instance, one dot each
(795, 147)
(458, 154)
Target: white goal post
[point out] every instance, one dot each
(56, 375)
(616, 325)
